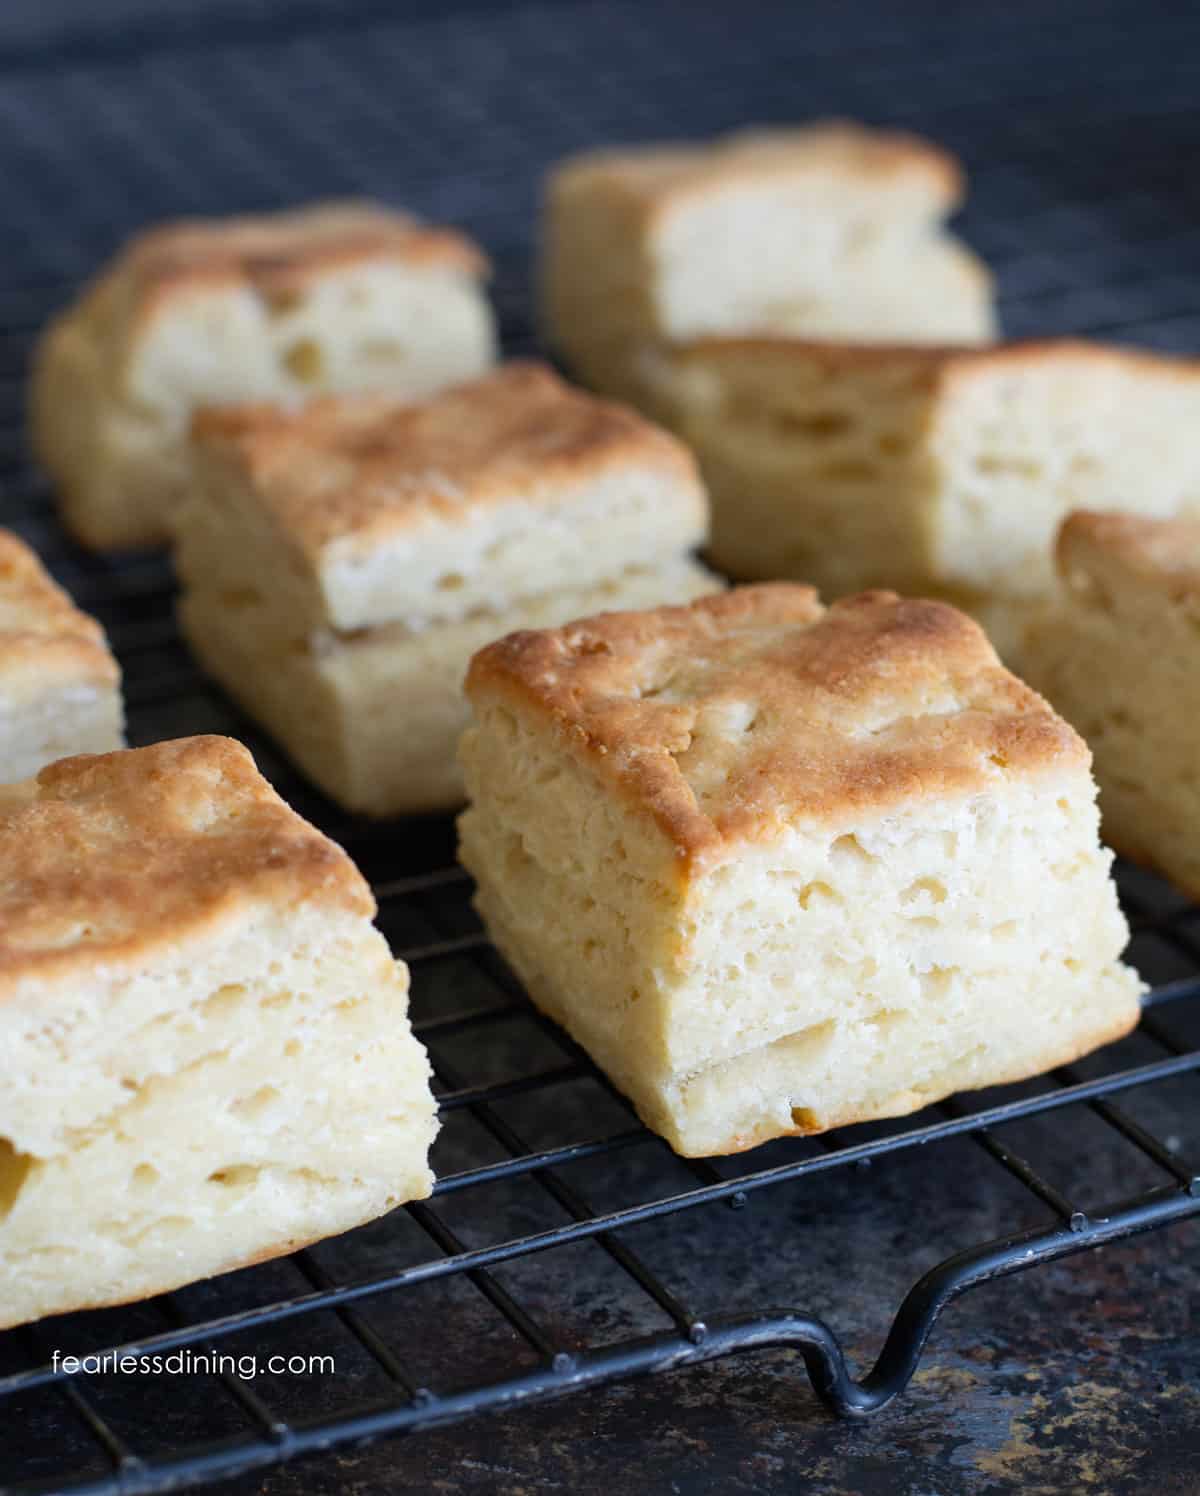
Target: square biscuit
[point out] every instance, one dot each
(928, 470)
(342, 563)
(60, 688)
(370, 510)
(780, 867)
(1118, 652)
(284, 306)
(208, 1060)
(826, 230)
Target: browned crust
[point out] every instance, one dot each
(44, 637)
(660, 176)
(939, 363)
(362, 467)
(1164, 552)
(112, 859)
(872, 703)
(280, 254)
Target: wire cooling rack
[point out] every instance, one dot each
(565, 1246)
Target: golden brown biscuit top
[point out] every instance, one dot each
(660, 176)
(278, 254)
(43, 635)
(752, 711)
(361, 467)
(1164, 552)
(117, 857)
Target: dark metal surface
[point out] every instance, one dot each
(565, 1248)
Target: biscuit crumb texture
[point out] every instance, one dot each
(780, 868)
(209, 1060)
(1118, 653)
(60, 688)
(280, 307)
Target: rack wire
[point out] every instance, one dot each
(546, 1180)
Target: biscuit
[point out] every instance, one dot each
(60, 688)
(342, 563)
(1130, 598)
(208, 1060)
(336, 296)
(829, 230)
(780, 867)
(929, 470)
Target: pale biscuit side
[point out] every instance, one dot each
(798, 1012)
(1130, 598)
